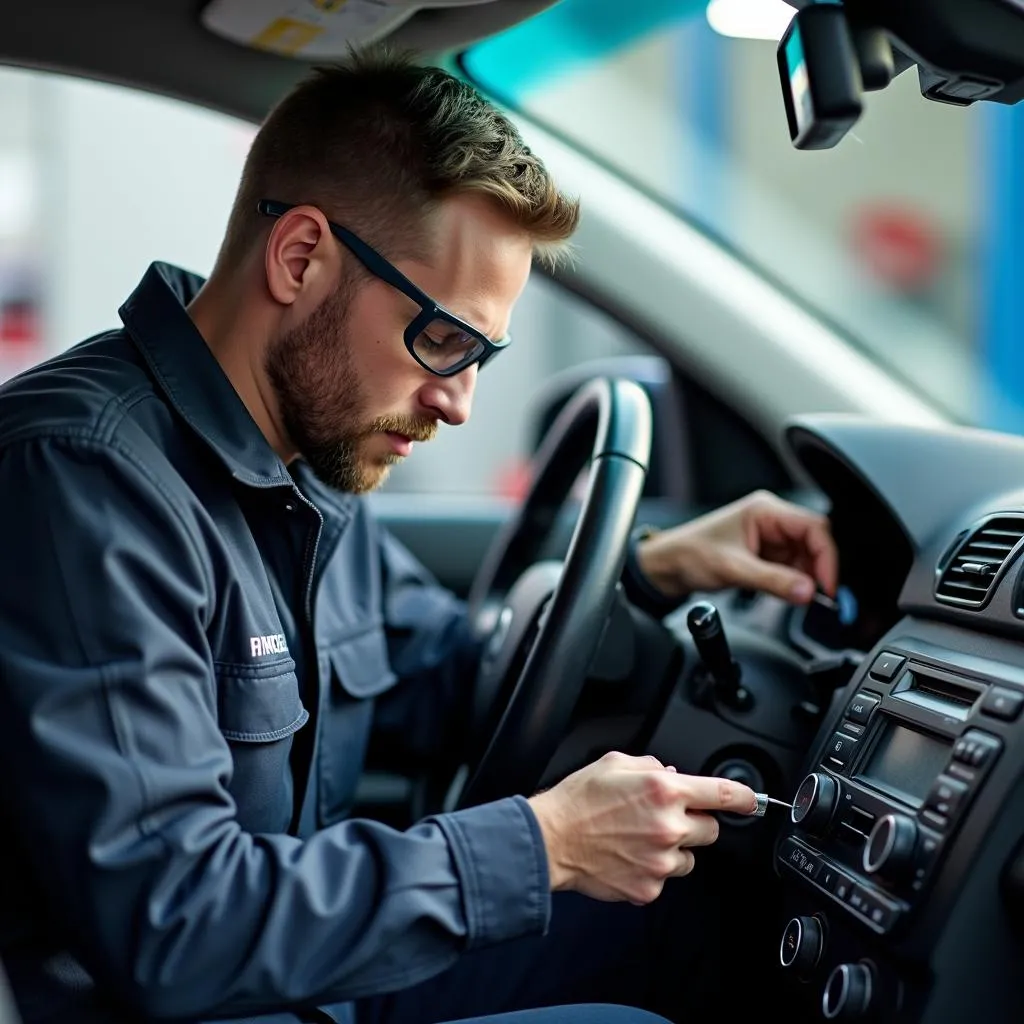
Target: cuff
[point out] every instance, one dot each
(639, 589)
(502, 864)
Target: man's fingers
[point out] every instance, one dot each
(686, 862)
(703, 829)
(772, 578)
(706, 793)
(632, 762)
(795, 525)
(641, 763)
(824, 556)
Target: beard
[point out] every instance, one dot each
(323, 405)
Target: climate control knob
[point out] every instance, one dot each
(802, 943)
(815, 803)
(889, 851)
(848, 992)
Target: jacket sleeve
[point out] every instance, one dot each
(423, 721)
(108, 719)
(640, 590)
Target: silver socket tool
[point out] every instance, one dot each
(763, 800)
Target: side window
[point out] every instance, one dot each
(97, 181)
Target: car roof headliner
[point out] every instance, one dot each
(160, 45)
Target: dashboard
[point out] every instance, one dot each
(893, 719)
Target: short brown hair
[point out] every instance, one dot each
(378, 140)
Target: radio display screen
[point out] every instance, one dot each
(906, 762)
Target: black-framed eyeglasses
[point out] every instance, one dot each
(441, 342)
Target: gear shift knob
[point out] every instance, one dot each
(705, 625)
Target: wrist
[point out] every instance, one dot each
(659, 569)
(549, 819)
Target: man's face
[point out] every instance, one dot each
(351, 396)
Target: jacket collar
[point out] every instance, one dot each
(192, 379)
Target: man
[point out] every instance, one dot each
(202, 621)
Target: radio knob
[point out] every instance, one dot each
(848, 992)
(889, 851)
(802, 943)
(815, 802)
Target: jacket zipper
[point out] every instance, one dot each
(312, 665)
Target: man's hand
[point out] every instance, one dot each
(618, 828)
(759, 542)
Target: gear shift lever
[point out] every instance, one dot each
(705, 625)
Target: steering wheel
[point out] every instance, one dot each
(542, 621)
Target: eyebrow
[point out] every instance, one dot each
(471, 316)
(476, 318)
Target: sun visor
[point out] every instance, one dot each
(313, 29)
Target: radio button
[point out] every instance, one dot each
(975, 748)
(927, 849)
(1001, 702)
(946, 796)
(858, 899)
(928, 845)
(802, 943)
(886, 665)
(849, 992)
(840, 750)
(815, 803)
(860, 707)
(829, 877)
(881, 913)
(958, 771)
(800, 859)
(844, 886)
(790, 848)
(983, 750)
(934, 819)
(810, 867)
(890, 848)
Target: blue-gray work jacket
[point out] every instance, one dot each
(194, 642)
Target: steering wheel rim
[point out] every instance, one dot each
(609, 421)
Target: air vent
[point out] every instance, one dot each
(969, 577)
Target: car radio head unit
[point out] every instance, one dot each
(907, 757)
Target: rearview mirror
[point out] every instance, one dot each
(832, 53)
(825, 66)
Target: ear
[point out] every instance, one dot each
(301, 260)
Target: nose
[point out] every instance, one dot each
(450, 399)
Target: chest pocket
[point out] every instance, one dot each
(259, 711)
(359, 670)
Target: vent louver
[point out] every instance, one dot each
(968, 578)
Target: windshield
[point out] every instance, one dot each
(904, 237)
